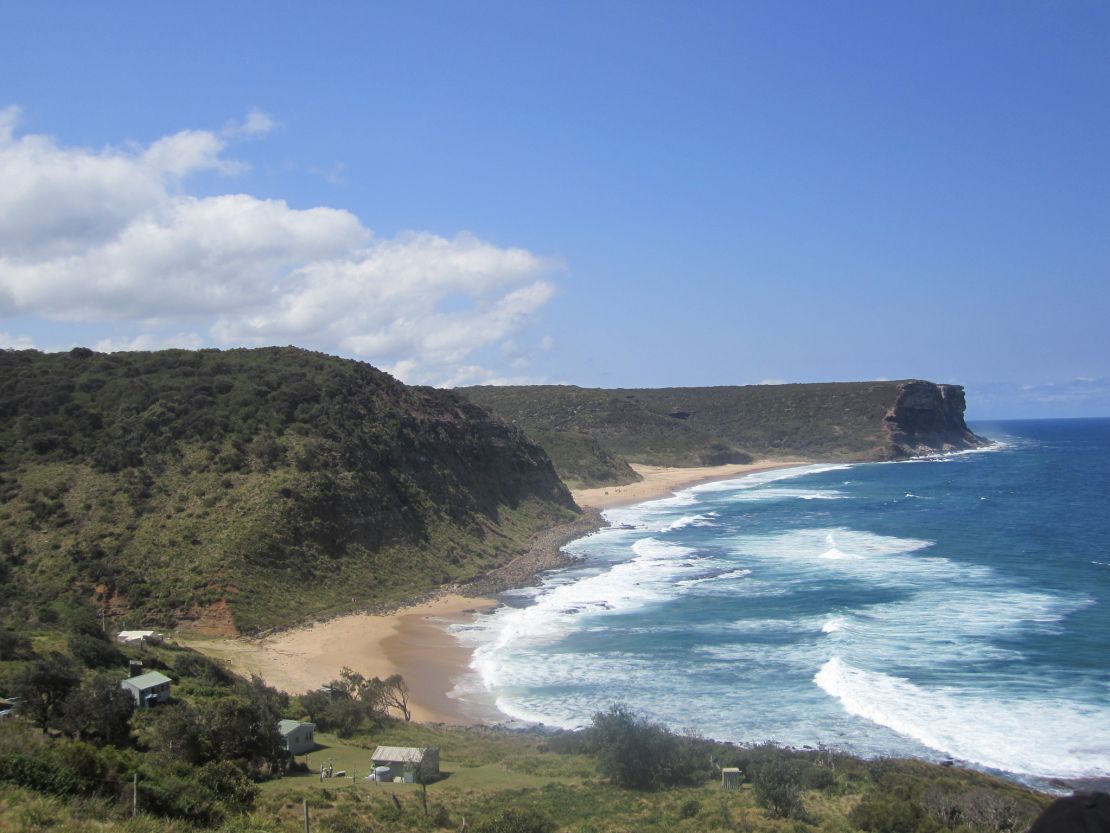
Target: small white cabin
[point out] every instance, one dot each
(299, 738)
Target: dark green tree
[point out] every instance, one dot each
(98, 711)
(633, 752)
(778, 787)
(95, 651)
(174, 730)
(14, 646)
(44, 686)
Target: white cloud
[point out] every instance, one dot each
(149, 341)
(20, 342)
(256, 124)
(113, 235)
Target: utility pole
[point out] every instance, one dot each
(306, 815)
(134, 795)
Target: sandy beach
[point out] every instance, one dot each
(661, 481)
(414, 641)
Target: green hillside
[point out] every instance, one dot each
(714, 425)
(211, 759)
(250, 488)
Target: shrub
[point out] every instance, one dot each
(94, 652)
(886, 814)
(778, 787)
(14, 645)
(516, 820)
(38, 774)
(635, 753)
(689, 808)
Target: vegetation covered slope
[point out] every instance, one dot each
(250, 487)
(713, 425)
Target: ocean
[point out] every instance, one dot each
(953, 607)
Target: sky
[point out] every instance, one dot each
(608, 194)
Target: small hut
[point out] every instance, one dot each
(731, 778)
(409, 763)
(148, 689)
(299, 738)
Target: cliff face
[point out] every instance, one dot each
(254, 487)
(928, 418)
(706, 426)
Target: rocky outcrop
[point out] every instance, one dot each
(928, 418)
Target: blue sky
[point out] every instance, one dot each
(609, 194)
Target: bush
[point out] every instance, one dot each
(14, 645)
(516, 820)
(635, 753)
(95, 652)
(689, 808)
(98, 711)
(778, 787)
(886, 814)
(38, 774)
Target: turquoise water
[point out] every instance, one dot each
(954, 607)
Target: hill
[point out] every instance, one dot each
(714, 425)
(249, 488)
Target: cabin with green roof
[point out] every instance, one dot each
(148, 689)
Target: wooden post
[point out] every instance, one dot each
(134, 795)
(306, 815)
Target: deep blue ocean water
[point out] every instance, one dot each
(950, 607)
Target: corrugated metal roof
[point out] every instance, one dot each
(287, 726)
(150, 678)
(405, 754)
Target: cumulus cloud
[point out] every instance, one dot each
(113, 235)
(13, 342)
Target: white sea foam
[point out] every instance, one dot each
(717, 577)
(1035, 735)
(689, 520)
(761, 478)
(788, 494)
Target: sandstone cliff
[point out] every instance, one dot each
(710, 425)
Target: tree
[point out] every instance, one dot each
(636, 753)
(395, 695)
(43, 687)
(14, 645)
(175, 730)
(241, 728)
(778, 787)
(98, 711)
(95, 651)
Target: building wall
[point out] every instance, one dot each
(301, 740)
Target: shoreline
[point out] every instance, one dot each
(413, 639)
(661, 481)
